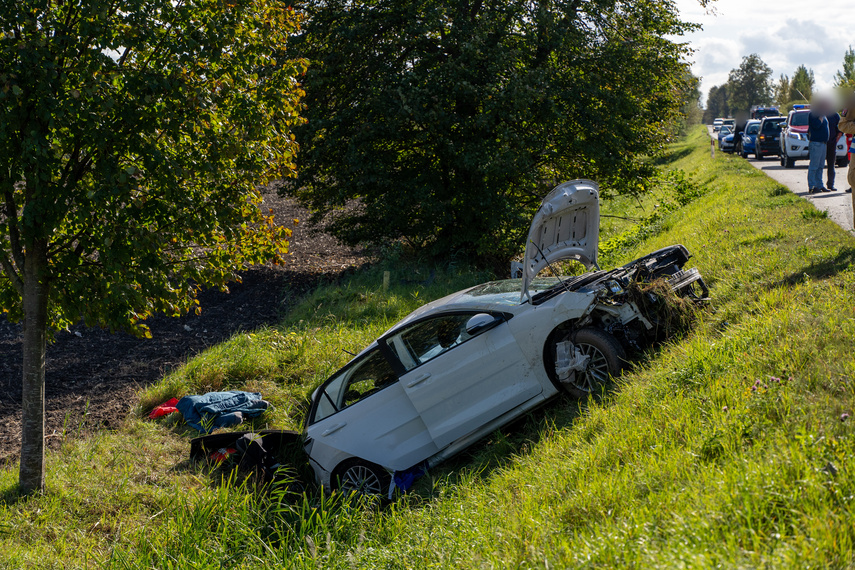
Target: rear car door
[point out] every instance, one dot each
(456, 381)
(362, 411)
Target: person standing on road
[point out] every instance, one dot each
(818, 137)
(847, 126)
(831, 149)
(738, 130)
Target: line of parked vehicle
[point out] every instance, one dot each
(768, 135)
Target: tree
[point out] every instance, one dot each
(749, 84)
(781, 91)
(691, 112)
(717, 103)
(133, 135)
(802, 84)
(444, 122)
(846, 77)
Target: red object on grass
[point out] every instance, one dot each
(165, 408)
(222, 454)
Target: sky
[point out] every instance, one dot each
(785, 33)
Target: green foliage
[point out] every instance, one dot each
(132, 137)
(717, 104)
(802, 84)
(731, 447)
(445, 123)
(749, 84)
(690, 113)
(781, 91)
(845, 78)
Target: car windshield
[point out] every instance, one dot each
(752, 129)
(725, 130)
(800, 119)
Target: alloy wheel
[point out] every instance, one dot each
(361, 479)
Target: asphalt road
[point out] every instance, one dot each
(837, 204)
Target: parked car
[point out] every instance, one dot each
(460, 367)
(794, 140)
(749, 138)
(760, 112)
(727, 143)
(723, 132)
(716, 125)
(768, 136)
(729, 123)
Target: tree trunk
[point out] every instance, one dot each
(32, 474)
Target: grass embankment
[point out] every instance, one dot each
(729, 447)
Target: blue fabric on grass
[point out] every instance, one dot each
(220, 409)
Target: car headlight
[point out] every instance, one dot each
(613, 287)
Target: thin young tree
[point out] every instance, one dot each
(133, 135)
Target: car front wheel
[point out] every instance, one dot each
(606, 358)
(361, 477)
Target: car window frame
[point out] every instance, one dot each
(320, 391)
(504, 316)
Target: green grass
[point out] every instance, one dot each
(726, 448)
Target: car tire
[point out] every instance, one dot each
(758, 156)
(842, 162)
(361, 477)
(607, 360)
(789, 162)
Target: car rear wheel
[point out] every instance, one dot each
(758, 155)
(361, 477)
(606, 359)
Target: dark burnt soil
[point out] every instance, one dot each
(92, 375)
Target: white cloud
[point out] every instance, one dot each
(784, 33)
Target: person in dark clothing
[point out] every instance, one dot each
(738, 130)
(831, 149)
(818, 137)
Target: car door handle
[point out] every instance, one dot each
(418, 380)
(333, 429)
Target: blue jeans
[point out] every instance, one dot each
(817, 152)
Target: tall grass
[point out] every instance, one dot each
(729, 447)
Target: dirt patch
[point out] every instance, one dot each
(92, 375)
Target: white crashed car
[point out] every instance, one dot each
(458, 368)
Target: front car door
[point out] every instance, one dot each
(458, 382)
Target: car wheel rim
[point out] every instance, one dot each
(362, 480)
(596, 373)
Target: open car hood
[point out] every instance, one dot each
(567, 226)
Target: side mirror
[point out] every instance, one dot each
(480, 323)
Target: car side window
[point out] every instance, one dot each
(428, 339)
(354, 384)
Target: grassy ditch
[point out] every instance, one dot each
(731, 446)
